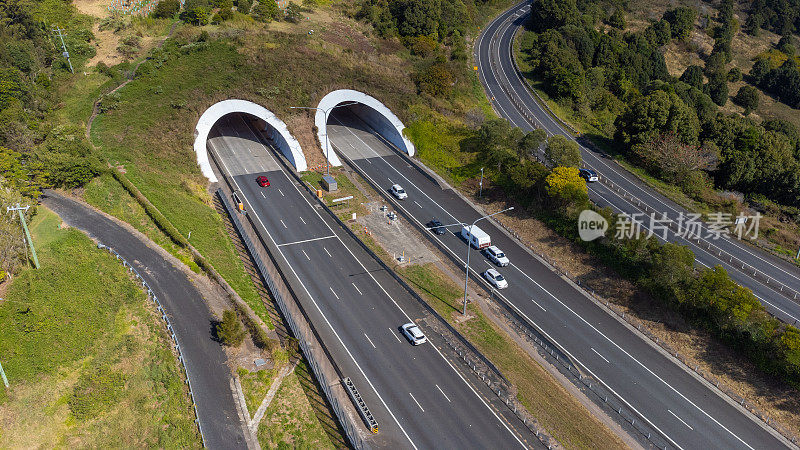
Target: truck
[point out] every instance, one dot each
(476, 237)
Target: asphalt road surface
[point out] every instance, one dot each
(675, 403)
(417, 396)
(512, 99)
(191, 320)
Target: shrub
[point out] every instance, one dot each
(734, 75)
(747, 98)
(292, 13)
(561, 151)
(266, 11)
(435, 80)
(166, 9)
(230, 330)
(243, 6)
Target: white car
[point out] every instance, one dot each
(495, 278)
(412, 332)
(497, 256)
(398, 192)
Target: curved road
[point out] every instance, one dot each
(191, 319)
(777, 283)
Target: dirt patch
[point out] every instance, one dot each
(106, 43)
(340, 33)
(94, 8)
(395, 236)
(773, 396)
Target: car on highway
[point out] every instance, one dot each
(496, 256)
(589, 175)
(398, 192)
(412, 332)
(262, 181)
(495, 278)
(436, 227)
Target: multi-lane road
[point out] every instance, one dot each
(776, 282)
(685, 410)
(418, 397)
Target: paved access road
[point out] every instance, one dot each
(417, 396)
(512, 99)
(191, 319)
(688, 412)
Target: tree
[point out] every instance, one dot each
(718, 89)
(561, 151)
(230, 330)
(530, 143)
(435, 80)
(681, 21)
(693, 76)
(734, 75)
(266, 11)
(617, 19)
(417, 17)
(673, 160)
(243, 6)
(166, 9)
(760, 70)
(292, 12)
(566, 188)
(786, 46)
(496, 139)
(196, 16)
(747, 98)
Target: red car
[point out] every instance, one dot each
(262, 181)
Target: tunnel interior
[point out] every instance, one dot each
(365, 118)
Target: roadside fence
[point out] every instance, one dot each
(348, 426)
(152, 296)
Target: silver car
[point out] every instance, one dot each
(412, 332)
(495, 278)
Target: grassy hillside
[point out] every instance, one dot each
(88, 361)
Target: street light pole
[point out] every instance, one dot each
(469, 247)
(480, 194)
(326, 112)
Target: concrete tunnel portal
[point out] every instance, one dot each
(371, 112)
(274, 128)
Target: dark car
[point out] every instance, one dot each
(589, 175)
(436, 226)
(262, 181)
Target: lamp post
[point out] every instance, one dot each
(480, 194)
(469, 247)
(327, 142)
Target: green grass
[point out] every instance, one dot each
(290, 421)
(541, 394)
(255, 386)
(87, 358)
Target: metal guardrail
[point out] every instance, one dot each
(363, 409)
(152, 296)
(349, 428)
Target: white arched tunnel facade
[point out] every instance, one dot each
(370, 110)
(275, 128)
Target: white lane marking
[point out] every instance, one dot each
(262, 194)
(308, 240)
(284, 225)
(682, 421)
(304, 252)
(370, 340)
(445, 395)
(415, 401)
(537, 304)
(316, 305)
(538, 327)
(334, 292)
(281, 193)
(415, 202)
(598, 354)
(301, 219)
(326, 251)
(359, 290)
(395, 335)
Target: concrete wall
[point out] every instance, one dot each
(372, 111)
(274, 127)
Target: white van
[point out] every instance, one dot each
(478, 238)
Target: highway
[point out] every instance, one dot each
(686, 411)
(419, 399)
(774, 281)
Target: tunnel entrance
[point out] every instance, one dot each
(348, 109)
(261, 119)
